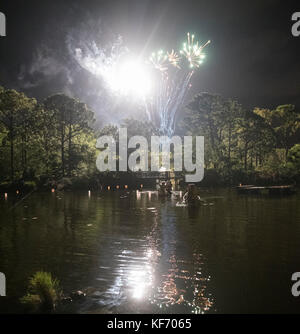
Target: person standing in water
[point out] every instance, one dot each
(191, 196)
(169, 187)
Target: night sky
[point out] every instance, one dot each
(253, 56)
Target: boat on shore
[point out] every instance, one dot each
(266, 190)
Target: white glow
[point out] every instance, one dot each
(123, 74)
(162, 169)
(138, 291)
(139, 283)
(131, 77)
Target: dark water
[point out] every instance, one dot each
(142, 254)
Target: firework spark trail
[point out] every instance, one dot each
(178, 102)
(173, 84)
(169, 98)
(172, 75)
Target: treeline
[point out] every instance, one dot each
(56, 139)
(242, 145)
(44, 141)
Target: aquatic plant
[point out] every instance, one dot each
(43, 292)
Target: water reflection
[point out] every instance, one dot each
(154, 273)
(182, 282)
(147, 255)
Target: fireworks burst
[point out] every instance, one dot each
(174, 59)
(172, 86)
(162, 88)
(159, 60)
(192, 51)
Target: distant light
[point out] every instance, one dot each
(139, 291)
(5, 195)
(108, 188)
(126, 186)
(131, 77)
(138, 195)
(52, 190)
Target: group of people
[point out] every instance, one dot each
(165, 188)
(190, 197)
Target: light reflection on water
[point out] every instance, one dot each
(153, 273)
(137, 253)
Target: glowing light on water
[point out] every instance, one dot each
(138, 279)
(138, 195)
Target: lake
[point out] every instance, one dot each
(137, 253)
